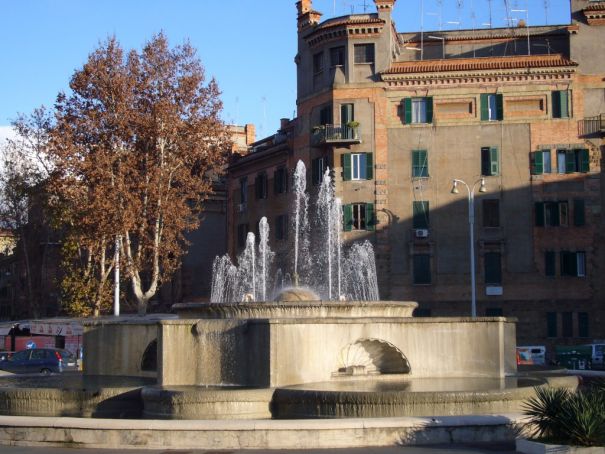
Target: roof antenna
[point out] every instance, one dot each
(546, 6)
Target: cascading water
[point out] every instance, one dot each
(300, 224)
(333, 271)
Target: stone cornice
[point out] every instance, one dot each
(479, 70)
(595, 13)
(348, 26)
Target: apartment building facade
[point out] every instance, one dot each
(517, 112)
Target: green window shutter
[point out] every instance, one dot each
(420, 214)
(370, 222)
(499, 107)
(315, 171)
(563, 104)
(369, 166)
(537, 163)
(570, 161)
(556, 104)
(539, 214)
(555, 212)
(276, 183)
(347, 211)
(549, 263)
(484, 108)
(551, 324)
(407, 110)
(346, 166)
(429, 109)
(420, 166)
(579, 217)
(584, 161)
(494, 165)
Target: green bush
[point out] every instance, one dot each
(574, 418)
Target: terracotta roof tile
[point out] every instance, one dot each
(481, 63)
(598, 6)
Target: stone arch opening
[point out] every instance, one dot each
(149, 360)
(372, 357)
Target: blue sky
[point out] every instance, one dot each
(248, 45)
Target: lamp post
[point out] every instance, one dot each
(471, 225)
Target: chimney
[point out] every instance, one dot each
(250, 133)
(283, 123)
(306, 15)
(384, 8)
(303, 6)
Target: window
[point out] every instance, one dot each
(494, 312)
(347, 113)
(242, 233)
(566, 324)
(337, 56)
(243, 190)
(573, 263)
(560, 104)
(490, 165)
(420, 164)
(579, 216)
(540, 162)
(418, 110)
(318, 168)
(570, 161)
(358, 216)
(318, 62)
(551, 324)
(491, 213)
(325, 115)
(552, 214)
(491, 107)
(357, 166)
(583, 324)
(561, 161)
(281, 227)
(493, 268)
(364, 53)
(280, 180)
(422, 269)
(261, 185)
(420, 215)
(550, 263)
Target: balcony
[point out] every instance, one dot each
(326, 135)
(592, 126)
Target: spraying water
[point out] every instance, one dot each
(333, 271)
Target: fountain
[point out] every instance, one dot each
(264, 347)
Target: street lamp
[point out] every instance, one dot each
(471, 223)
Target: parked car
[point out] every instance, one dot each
(531, 355)
(5, 355)
(43, 360)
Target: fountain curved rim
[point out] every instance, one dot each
(296, 309)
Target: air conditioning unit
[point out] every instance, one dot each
(422, 233)
(242, 207)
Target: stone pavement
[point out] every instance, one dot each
(446, 449)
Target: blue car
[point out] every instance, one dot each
(39, 360)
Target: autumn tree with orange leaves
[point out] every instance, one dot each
(135, 147)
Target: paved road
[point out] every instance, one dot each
(456, 449)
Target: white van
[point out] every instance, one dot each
(533, 355)
(598, 353)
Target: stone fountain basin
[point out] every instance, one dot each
(382, 396)
(296, 309)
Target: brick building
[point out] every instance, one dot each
(398, 116)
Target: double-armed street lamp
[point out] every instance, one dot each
(471, 222)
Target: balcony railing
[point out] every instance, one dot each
(592, 125)
(335, 134)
